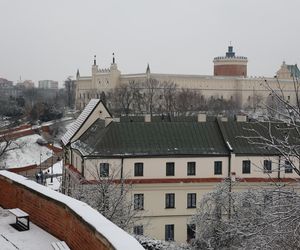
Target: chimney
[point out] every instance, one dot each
(241, 118)
(201, 117)
(147, 118)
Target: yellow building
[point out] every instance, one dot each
(171, 164)
(229, 82)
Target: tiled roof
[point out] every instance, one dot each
(80, 120)
(152, 138)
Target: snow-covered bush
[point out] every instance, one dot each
(152, 244)
(261, 218)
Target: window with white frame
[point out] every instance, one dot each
(138, 230)
(246, 167)
(191, 168)
(191, 200)
(138, 169)
(267, 166)
(138, 202)
(170, 200)
(104, 169)
(169, 232)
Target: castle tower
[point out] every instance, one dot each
(230, 65)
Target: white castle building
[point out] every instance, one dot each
(230, 81)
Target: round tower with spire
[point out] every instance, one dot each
(230, 64)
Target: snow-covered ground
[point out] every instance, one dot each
(57, 169)
(33, 239)
(29, 153)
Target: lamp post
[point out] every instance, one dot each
(51, 180)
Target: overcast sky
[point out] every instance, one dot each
(50, 39)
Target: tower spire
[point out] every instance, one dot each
(113, 54)
(148, 69)
(95, 60)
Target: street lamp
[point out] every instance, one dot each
(51, 180)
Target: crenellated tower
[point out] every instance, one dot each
(230, 64)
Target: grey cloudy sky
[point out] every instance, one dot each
(50, 39)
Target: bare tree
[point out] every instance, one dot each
(111, 196)
(151, 93)
(168, 90)
(189, 100)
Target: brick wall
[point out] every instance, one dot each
(53, 216)
(230, 70)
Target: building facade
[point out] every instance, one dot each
(171, 164)
(229, 82)
(48, 84)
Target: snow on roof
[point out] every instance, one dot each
(80, 121)
(115, 235)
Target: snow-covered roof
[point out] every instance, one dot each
(80, 121)
(117, 237)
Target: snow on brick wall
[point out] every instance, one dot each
(70, 220)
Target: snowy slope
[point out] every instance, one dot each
(28, 154)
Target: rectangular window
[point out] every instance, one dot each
(218, 167)
(170, 169)
(191, 228)
(138, 169)
(138, 201)
(104, 169)
(267, 166)
(191, 168)
(170, 200)
(169, 232)
(191, 200)
(138, 230)
(246, 167)
(288, 169)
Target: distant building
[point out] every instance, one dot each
(48, 84)
(27, 84)
(7, 89)
(171, 163)
(230, 81)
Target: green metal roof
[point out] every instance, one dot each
(255, 137)
(184, 138)
(152, 138)
(294, 70)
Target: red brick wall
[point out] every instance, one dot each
(230, 70)
(51, 215)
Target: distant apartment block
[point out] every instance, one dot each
(48, 84)
(27, 84)
(7, 89)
